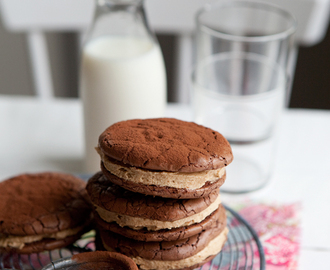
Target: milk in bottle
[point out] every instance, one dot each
(122, 72)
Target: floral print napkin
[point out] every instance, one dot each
(278, 227)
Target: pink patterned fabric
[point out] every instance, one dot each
(278, 227)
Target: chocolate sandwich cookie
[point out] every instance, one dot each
(42, 211)
(165, 192)
(186, 253)
(101, 260)
(164, 157)
(164, 234)
(137, 211)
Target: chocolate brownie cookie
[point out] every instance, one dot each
(181, 254)
(165, 234)
(102, 260)
(42, 211)
(165, 192)
(164, 157)
(138, 211)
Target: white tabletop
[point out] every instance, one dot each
(39, 136)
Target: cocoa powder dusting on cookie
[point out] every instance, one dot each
(42, 203)
(166, 144)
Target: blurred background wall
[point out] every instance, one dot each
(311, 87)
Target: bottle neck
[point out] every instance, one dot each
(134, 7)
(119, 4)
(120, 17)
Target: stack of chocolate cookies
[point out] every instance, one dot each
(157, 196)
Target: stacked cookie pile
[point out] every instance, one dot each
(157, 196)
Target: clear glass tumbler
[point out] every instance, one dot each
(248, 26)
(241, 95)
(240, 83)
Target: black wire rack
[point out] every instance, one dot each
(242, 251)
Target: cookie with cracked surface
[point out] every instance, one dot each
(181, 254)
(137, 211)
(42, 211)
(102, 260)
(164, 234)
(165, 157)
(166, 144)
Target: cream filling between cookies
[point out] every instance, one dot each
(213, 248)
(20, 241)
(138, 223)
(192, 180)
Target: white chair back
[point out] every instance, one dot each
(165, 16)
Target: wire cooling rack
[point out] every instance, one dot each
(242, 251)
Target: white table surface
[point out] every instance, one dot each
(39, 136)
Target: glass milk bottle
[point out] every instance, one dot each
(122, 71)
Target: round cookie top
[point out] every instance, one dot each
(103, 260)
(42, 203)
(166, 144)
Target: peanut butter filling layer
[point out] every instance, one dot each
(167, 179)
(20, 241)
(137, 223)
(214, 247)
